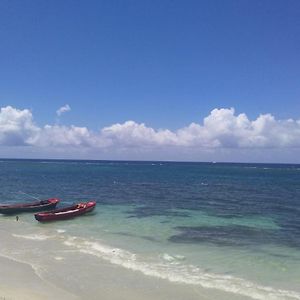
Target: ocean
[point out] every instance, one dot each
(219, 230)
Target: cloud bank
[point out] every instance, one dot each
(221, 129)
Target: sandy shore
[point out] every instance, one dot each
(47, 269)
(19, 281)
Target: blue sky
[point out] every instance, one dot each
(163, 63)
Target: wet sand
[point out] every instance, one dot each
(43, 269)
(19, 281)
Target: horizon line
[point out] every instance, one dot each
(146, 160)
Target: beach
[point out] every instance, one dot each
(150, 150)
(72, 275)
(159, 231)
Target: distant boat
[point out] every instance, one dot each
(67, 212)
(29, 207)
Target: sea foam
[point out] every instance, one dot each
(36, 237)
(180, 273)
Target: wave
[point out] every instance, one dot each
(36, 237)
(180, 273)
(174, 259)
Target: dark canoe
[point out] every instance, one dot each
(29, 207)
(67, 212)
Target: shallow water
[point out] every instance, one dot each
(225, 228)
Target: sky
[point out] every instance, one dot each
(150, 80)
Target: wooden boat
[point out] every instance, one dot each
(67, 212)
(29, 207)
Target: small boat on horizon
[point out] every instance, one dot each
(66, 212)
(28, 207)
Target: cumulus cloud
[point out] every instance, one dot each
(221, 129)
(16, 126)
(63, 109)
(62, 136)
(132, 134)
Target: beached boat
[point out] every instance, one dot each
(67, 212)
(28, 207)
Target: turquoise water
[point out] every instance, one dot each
(228, 227)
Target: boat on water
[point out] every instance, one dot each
(67, 212)
(28, 207)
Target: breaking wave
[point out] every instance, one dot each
(165, 268)
(36, 237)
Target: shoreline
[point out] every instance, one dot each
(63, 273)
(26, 284)
(157, 232)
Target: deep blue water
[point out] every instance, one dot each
(161, 188)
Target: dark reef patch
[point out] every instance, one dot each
(234, 235)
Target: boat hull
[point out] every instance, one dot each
(66, 213)
(29, 207)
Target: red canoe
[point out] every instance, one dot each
(29, 207)
(67, 212)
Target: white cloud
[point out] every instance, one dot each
(63, 109)
(132, 134)
(16, 126)
(62, 136)
(222, 129)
